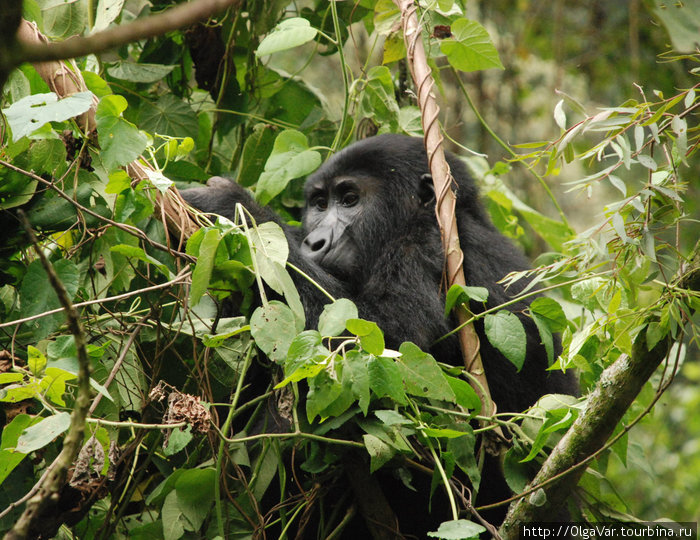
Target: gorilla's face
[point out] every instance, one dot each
(350, 218)
(334, 209)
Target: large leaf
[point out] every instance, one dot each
(205, 263)
(459, 529)
(290, 159)
(682, 20)
(62, 19)
(506, 333)
(107, 12)
(421, 374)
(39, 435)
(169, 116)
(470, 48)
(32, 112)
(9, 459)
(37, 295)
(140, 73)
(121, 141)
(371, 337)
(334, 316)
(256, 149)
(273, 327)
(288, 34)
(385, 379)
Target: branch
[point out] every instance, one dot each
(442, 180)
(44, 501)
(173, 19)
(617, 388)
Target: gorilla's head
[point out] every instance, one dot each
(368, 194)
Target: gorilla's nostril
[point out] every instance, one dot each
(316, 245)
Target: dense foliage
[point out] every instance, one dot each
(174, 445)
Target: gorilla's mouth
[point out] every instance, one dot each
(341, 260)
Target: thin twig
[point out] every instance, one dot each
(128, 228)
(46, 498)
(180, 277)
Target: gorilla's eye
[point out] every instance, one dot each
(349, 199)
(319, 202)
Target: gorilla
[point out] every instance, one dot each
(369, 233)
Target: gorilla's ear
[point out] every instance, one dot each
(219, 182)
(426, 190)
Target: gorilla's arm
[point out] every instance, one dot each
(221, 196)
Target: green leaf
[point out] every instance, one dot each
(269, 245)
(392, 418)
(681, 21)
(586, 292)
(15, 189)
(323, 392)
(550, 310)
(443, 432)
(37, 295)
(9, 458)
(459, 294)
(355, 371)
(287, 34)
(40, 434)
(306, 357)
(195, 495)
(290, 158)
(36, 361)
(462, 449)
(139, 73)
(655, 332)
(121, 141)
(379, 452)
(48, 156)
(371, 337)
(334, 316)
(201, 275)
(516, 472)
(62, 19)
(470, 48)
(168, 116)
(273, 328)
(32, 112)
(559, 115)
(173, 520)
(538, 498)
(269, 242)
(378, 101)
(385, 379)
(465, 395)
(138, 253)
(54, 384)
(256, 151)
(505, 332)
(107, 12)
(458, 529)
(421, 374)
(546, 336)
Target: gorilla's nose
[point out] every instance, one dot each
(316, 244)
